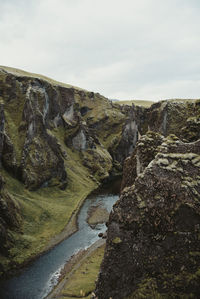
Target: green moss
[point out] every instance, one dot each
(21, 73)
(98, 162)
(116, 240)
(146, 289)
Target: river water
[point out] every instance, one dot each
(38, 279)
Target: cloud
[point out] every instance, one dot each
(122, 49)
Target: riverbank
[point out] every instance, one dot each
(40, 277)
(50, 216)
(80, 267)
(111, 185)
(71, 227)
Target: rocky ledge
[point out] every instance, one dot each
(153, 240)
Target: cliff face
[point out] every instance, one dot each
(153, 244)
(179, 117)
(9, 218)
(58, 142)
(54, 137)
(33, 111)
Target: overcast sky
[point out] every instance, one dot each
(124, 49)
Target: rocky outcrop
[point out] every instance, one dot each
(144, 153)
(153, 244)
(179, 117)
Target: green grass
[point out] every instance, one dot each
(47, 211)
(82, 282)
(22, 73)
(137, 103)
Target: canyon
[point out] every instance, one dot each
(58, 143)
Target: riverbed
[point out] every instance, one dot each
(39, 278)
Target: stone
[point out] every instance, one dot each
(153, 244)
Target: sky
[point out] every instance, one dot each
(123, 49)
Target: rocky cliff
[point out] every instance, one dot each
(57, 143)
(153, 242)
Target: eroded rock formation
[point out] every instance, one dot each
(153, 244)
(37, 115)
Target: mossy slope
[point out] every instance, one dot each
(56, 146)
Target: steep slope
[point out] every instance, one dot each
(57, 143)
(153, 244)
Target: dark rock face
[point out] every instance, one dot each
(153, 244)
(144, 153)
(179, 117)
(9, 217)
(27, 146)
(132, 128)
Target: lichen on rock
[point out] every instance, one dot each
(158, 220)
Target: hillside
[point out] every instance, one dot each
(142, 103)
(57, 144)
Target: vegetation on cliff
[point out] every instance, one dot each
(57, 144)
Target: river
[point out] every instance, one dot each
(38, 279)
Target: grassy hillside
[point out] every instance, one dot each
(46, 211)
(22, 73)
(136, 102)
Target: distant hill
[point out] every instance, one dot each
(137, 102)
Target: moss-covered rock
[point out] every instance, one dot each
(157, 220)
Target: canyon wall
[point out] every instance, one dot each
(153, 244)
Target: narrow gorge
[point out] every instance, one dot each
(58, 143)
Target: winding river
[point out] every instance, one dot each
(38, 279)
